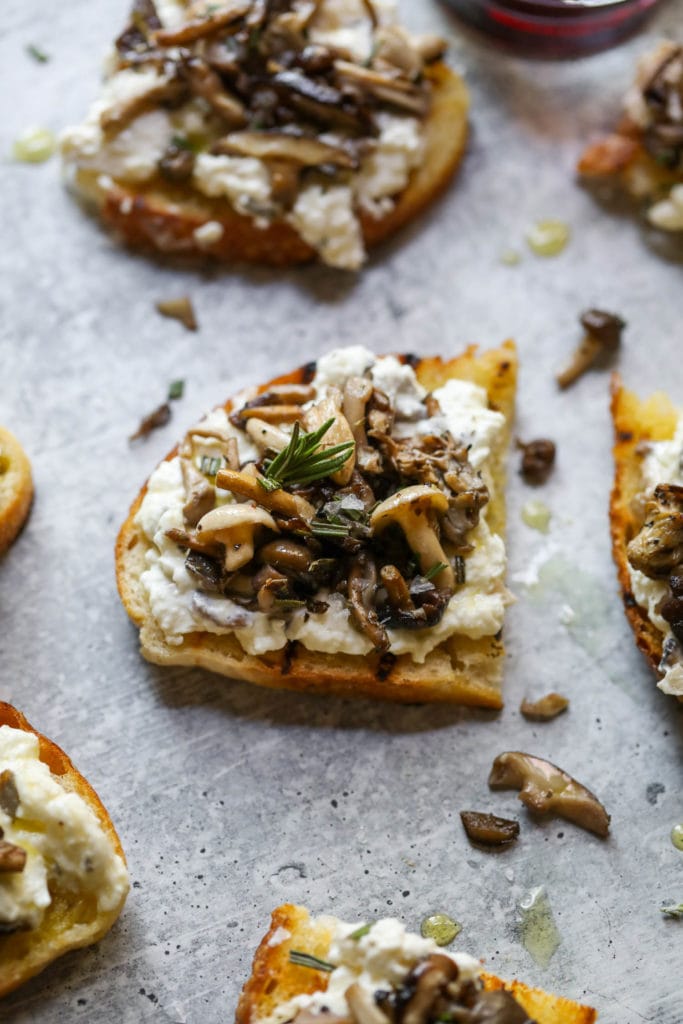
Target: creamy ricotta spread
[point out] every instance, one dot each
(661, 465)
(65, 844)
(379, 960)
(325, 215)
(476, 609)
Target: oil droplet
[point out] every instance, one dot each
(440, 927)
(536, 515)
(548, 237)
(538, 930)
(677, 836)
(510, 257)
(34, 146)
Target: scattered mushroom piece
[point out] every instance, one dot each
(201, 495)
(207, 571)
(319, 101)
(203, 19)
(602, 338)
(272, 413)
(287, 556)
(545, 708)
(361, 592)
(329, 408)
(235, 526)
(546, 789)
(220, 611)
(363, 1007)
(275, 144)
(396, 588)
(658, 549)
(179, 309)
(398, 92)
(414, 509)
(156, 419)
(671, 609)
(538, 459)
(247, 485)
(395, 46)
(488, 829)
(429, 982)
(9, 794)
(430, 46)
(266, 435)
(177, 163)
(115, 118)
(12, 858)
(207, 84)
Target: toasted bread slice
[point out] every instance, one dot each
(636, 423)
(73, 919)
(271, 134)
(16, 488)
(459, 670)
(275, 980)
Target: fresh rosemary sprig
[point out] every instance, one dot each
(308, 960)
(303, 460)
(673, 911)
(321, 528)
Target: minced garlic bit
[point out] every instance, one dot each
(536, 515)
(34, 146)
(548, 237)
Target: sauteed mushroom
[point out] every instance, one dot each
(235, 526)
(413, 509)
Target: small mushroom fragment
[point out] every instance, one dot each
(361, 593)
(287, 556)
(414, 510)
(207, 84)
(602, 338)
(272, 413)
(364, 1009)
(206, 571)
(357, 394)
(9, 794)
(498, 1007)
(179, 309)
(12, 858)
(246, 485)
(235, 526)
(177, 163)
(430, 46)
(538, 459)
(396, 91)
(266, 435)
(204, 19)
(115, 118)
(546, 789)
(201, 496)
(671, 609)
(545, 708)
(320, 102)
(304, 150)
(156, 419)
(428, 982)
(394, 46)
(396, 588)
(488, 829)
(658, 549)
(329, 408)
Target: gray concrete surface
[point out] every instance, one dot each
(230, 799)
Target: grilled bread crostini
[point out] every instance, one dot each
(63, 877)
(270, 133)
(379, 973)
(644, 156)
(16, 488)
(338, 530)
(646, 515)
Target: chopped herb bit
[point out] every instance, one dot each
(210, 464)
(673, 911)
(307, 960)
(182, 142)
(176, 389)
(38, 55)
(288, 604)
(321, 528)
(303, 461)
(435, 570)
(460, 569)
(360, 932)
(179, 309)
(158, 418)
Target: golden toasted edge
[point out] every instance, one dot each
(16, 489)
(274, 979)
(165, 218)
(635, 422)
(461, 671)
(41, 947)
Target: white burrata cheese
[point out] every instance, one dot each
(243, 180)
(64, 841)
(475, 610)
(325, 218)
(379, 960)
(386, 169)
(661, 465)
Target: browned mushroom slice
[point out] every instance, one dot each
(204, 19)
(399, 92)
(246, 485)
(134, 40)
(396, 588)
(429, 982)
(176, 163)
(364, 1009)
(394, 46)
(116, 117)
(545, 708)
(204, 82)
(201, 495)
(488, 829)
(361, 593)
(208, 572)
(278, 145)
(287, 555)
(498, 1007)
(320, 102)
(12, 858)
(658, 548)
(9, 794)
(546, 789)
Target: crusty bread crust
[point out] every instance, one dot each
(157, 216)
(636, 421)
(274, 980)
(16, 488)
(71, 921)
(462, 670)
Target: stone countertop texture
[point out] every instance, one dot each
(230, 799)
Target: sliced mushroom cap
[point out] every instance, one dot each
(545, 708)
(320, 101)
(413, 509)
(246, 485)
(329, 408)
(364, 1009)
(658, 548)
(546, 789)
(204, 18)
(9, 794)
(266, 435)
(304, 150)
(397, 91)
(116, 117)
(235, 526)
(12, 858)
(204, 82)
(429, 982)
(362, 587)
(201, 495)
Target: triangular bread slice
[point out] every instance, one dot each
(637, 422)
(275, 979)
(460, 670)
(73, 919)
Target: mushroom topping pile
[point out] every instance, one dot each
(269, 102)
(331, 501)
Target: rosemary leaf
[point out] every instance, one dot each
(673, 911)
(360, 932)
(302, 461)
(308, 960)
(321, 528)
(435, 570)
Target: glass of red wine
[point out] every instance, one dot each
(556, 28)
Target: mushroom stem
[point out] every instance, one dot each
(396, 588)
(246, 485)
(413, 509)
(363, 1007)
(584, 357)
